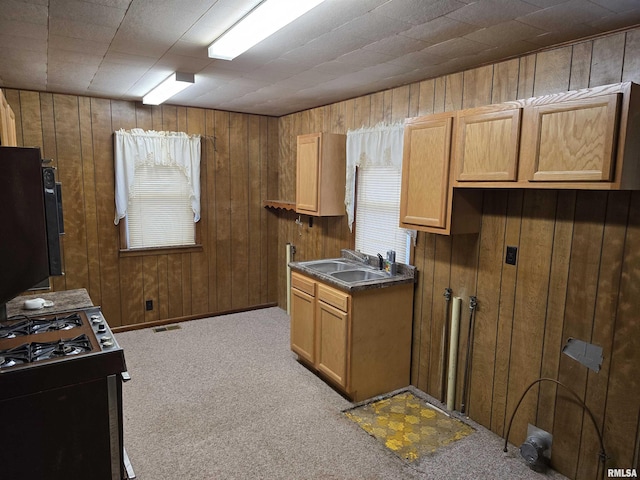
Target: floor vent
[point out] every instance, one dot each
(164, 329)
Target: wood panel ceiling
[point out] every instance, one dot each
(341, 49)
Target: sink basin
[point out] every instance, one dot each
(329, 266)
(351, 276)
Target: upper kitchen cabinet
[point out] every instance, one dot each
(320, 177)
(486, 142)
(574, 138)
(7, 124)
(427, 199)
(582, 139)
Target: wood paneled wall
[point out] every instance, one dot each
(236, 267)
(578, 270)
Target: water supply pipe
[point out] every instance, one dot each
(467, 368)
(444, 345)
(290, 250)
(453, 353)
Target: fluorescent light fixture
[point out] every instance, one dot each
(176, 82)
(264, 20)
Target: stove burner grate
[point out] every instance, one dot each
(15, 356)
(30, 326)
(40, 325)
(60, 348)
(14, 330)
(33, 352)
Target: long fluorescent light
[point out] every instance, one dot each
(264, 20)
(176, 82)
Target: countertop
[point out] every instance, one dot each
(405, 274)
(62, 301)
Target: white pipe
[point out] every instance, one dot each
(288, 255)
(453, 353)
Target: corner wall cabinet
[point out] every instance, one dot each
(320, 174)
(360, 342)
(8, 136)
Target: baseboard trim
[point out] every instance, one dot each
(186, 318)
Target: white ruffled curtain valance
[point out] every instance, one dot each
(136, 147)
(371, 146)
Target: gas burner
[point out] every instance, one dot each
(14, 330)
(14, 356)
(40, 325)
(60, 348)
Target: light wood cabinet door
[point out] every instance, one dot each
(571, 141)
(332, 343)
(424, 196)
(308, 169)
(486, 144)
(7, 123)
(303, 324)
(320, 175)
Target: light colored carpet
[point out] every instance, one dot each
(225, 398)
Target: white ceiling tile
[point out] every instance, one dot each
(339, 39)
(617, 20)
(25, 43)
(489, 12)
(504, 33)
(373, 26)
(66, 56)
(22, 12)
(458, 47)
(21, 30)
(559, 16)
(76, 29)
(440, 30)
(124, 4)
(85, 12)
(415, 59)
(619, 6)
(396, 45)
(71, 44)
(364, 58)
(418, 11)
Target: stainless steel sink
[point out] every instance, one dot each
(351, 276)
(326, 266)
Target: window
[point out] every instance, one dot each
(377, 154)
(378, 212)
(157, 188)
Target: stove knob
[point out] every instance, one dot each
(106, 341)
(102, 328)
(95, 319)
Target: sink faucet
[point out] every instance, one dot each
(363, 257)
(380, 262)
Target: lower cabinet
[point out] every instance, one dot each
(360, 343)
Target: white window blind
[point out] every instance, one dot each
(159, 213)
(378, 211)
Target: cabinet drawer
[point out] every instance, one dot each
(334, 297)
(304, 284)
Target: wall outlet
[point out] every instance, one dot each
(149, 305)
(512, 254)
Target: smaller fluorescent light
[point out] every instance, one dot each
(264, 20)
(176, 82)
